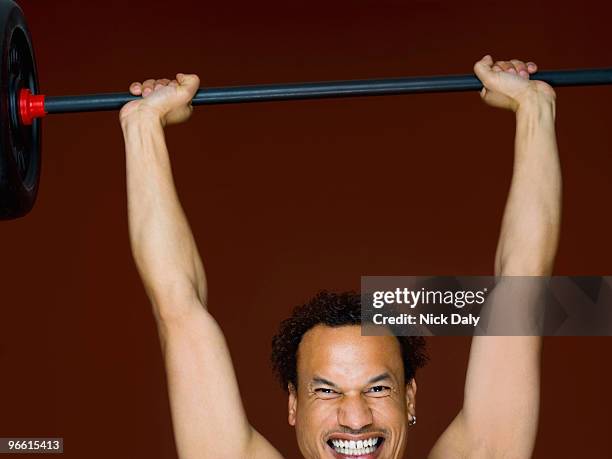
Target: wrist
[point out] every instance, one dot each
(535, 101)
(141, 117)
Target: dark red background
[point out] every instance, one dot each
(289, 198)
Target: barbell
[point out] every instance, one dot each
(22, 107)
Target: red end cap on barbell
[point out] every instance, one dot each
(31, 106)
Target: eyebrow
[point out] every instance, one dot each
(381, 377)
(320, 380)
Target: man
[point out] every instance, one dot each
(349, 395)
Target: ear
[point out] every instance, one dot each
(292, 404)
(411, 389)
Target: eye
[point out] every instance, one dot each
(326, 393)
(378, 391)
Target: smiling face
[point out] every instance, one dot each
(351, 400)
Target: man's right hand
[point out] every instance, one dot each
(168, 101)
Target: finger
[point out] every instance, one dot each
(191, 82)
(520, 67)
(506, 66)
(487, 59)
(496, 68)
(482, 68)
(187, 79)
(173, 83)
(162, 81)
(136, 88)
(485, 62)
(532, 67)
(147, 87)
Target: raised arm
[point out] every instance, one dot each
(499, 417)
(208, 417)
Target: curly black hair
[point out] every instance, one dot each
(333, 310)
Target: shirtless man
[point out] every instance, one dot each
(350, 395)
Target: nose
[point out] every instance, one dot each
(354, 413)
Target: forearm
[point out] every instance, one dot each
(530, 227)
(504, 371)
(162, 242)
(500, 408)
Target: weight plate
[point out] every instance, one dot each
(19, 144)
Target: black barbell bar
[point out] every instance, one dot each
(21, 104)
(34, 106)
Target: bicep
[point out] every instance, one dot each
(502, 392)
(499, 417)
(207, 412)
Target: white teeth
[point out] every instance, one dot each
(355, 448)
